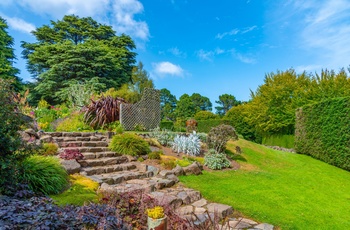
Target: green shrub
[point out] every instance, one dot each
(215, 160)
(139, 128)
(140, 159)
(155, 155)
(286, 141)
(205, 115)
(49, 149)
(83, 190)
(323, 131)
(10, 140)
(73, 123)
(237, 116)
(129, 144)
(219, 136)
(44, 174)
(168, 125)
(204, 126)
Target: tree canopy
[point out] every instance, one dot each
(7, 56)
(77, 49)
(168, 104)
(226, 102)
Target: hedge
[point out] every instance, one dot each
(168, 125)
(204, 126)
(323, 131)
(286, 141)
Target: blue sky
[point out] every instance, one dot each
(207, 47)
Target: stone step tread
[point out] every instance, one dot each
(100, 170)
(104, 161)
(114, 178)
(97, 155)
(73, 139)
(89, 149)
(64, 144)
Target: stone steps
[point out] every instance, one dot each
(65, 144)
(89, 149)
(90, 155)
(98, 170)
(118, 177)
(119, 174)
(103, 161)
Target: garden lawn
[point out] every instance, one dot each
(288, 190)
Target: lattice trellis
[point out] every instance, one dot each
(146, 112)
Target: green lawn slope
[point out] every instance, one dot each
(288, 190)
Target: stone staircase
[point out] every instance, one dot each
(120, 173)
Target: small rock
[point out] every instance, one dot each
(264, 226)
(221, 209)
(200, 203)
(71, 166)
(173, 178)
(153, 169)
(185, 210)
(195, 168)
(184, 197)
(178, 170)
(46, 139)
(164, 173)
(32, 133)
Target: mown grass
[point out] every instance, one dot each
(81, 191)
(288, 190)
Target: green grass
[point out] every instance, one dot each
(287, 190)
(82, 190)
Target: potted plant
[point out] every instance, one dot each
(156, 220)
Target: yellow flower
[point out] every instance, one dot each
(156, 212)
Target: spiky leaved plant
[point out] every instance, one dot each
(189, 145)
(103, 111)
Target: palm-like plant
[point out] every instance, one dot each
(103, 111)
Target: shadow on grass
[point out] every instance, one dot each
(234, 156)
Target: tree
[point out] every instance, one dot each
(205, 115)
(226, 102)
(140, 80)
(168, 104)
(77, 49)
(201, 103)
(7, 56)
(185, 107)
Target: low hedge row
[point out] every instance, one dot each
(323, 131)
(204, 126)
(286, 141)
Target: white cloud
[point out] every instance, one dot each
(59, 8)
(209, 55)
(124, 11)
(176, 52)
(119, 13)
(308, 68)
(230, 33)
(205, 55)
(324, 30)
(167, 68)
(235, 32)
(244, 59)
(19, 24)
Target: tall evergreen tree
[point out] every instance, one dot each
(78, 49)
(7, 56)
(226, 102)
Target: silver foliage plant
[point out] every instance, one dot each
(164, 137)
(189, 145)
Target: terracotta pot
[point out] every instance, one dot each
(157, 224)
